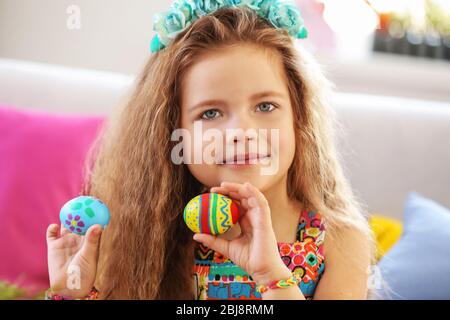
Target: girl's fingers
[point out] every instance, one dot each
(257, 198)
(248, 195)
(235, 196)
(215, 243)
(247, 191)
(258, 204)
(244, 204)
(63, 231)
(52, 232)
(231, 185)
(91, 243)
(233, 193)
(220, 190)
(237, 190)
(236, 187)
(252, 202)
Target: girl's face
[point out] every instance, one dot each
(241, 88)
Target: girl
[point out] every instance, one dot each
(300, 225)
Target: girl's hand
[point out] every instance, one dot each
(255, 250)
(72, 260)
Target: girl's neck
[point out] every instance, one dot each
(281, 206)
(285, 212)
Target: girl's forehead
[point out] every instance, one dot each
(233, 71)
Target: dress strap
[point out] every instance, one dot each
(311, 226)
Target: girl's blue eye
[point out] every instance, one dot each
(210, 114)
(266, 107)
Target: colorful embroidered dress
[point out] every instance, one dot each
(217, 277)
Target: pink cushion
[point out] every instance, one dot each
(41, 159)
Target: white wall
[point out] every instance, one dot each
(114, 35)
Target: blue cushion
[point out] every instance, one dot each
(418, 265)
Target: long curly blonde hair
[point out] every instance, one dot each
(147, 251)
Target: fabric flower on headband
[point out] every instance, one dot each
(282, 14)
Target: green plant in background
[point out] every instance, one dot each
(398, 24)
(438, 19)
(434, 18)
(9, 291)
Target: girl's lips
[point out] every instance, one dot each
(244, 160)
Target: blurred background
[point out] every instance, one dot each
(396, 47)
(66, 64)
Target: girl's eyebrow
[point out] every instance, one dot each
(265, 94)
(217, 102)
(208, 103)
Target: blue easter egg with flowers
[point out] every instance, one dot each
(82, 212)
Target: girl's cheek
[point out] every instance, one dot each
(286, 144)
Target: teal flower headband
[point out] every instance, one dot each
(283, 14)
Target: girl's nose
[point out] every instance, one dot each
(241, 129)
(240, 135)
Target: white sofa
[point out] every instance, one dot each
(389, 146)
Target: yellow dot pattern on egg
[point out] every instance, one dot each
(191, 214)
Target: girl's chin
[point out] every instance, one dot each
(242, 176)
(239, 170)
(239, 166)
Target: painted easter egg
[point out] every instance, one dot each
(80, 213)
(210, 213)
